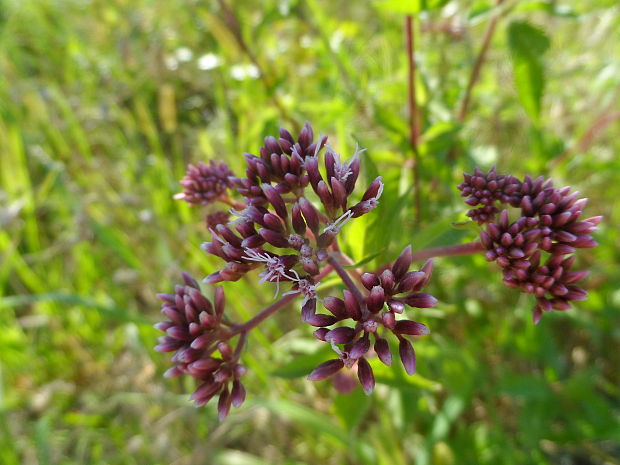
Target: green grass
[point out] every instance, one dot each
(103, 103)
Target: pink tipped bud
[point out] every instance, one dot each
(365, 375)
(407, 356)
(341, 335)
(402, 263)
(411, 327)
(383, 351)
(325, 370)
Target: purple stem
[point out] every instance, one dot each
(449, 251)
(346, 279)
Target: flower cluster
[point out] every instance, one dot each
(204, 184)
(280, 228)
(534, 251)
(389, 292)
(195, 332)
(289, 210)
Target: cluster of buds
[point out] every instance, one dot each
(195, 332)
(534, 251)
(287, 216)
(280, 228)
(204, 184)
(373, 315)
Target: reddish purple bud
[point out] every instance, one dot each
(335, 306)
(325, 370)
(382, 349)
(365, 375)
(325, 196)
(387, 280)
(388, 319)
(321, 333)
(402, 263)
(396, 306)
(411, 327)
(223, 405)
(189, 281)
(299, 225)
(276, 200)
(407, 356)
(274, 238)
(376, 299)
(352, 306)
(360, 347)
(237, 394)
(369, 280)
(373, 189)
(411, 281)
(310, 214)
(312, 168)
(339, 194)
(420, 300)
(342, 335)
(219, 299)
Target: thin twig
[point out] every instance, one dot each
(475, 74)
(414, 127)
(233, 26)
(587, 139)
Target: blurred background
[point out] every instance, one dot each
(103, 104)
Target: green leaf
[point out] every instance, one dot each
(112, 312)
(303, 365)
(528, 45)
(411, 6)
(306, 418)
(352, 407)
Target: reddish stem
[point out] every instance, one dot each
(414, 127)
(346, 279)
(449, 251)
(475, 74)
(273, 308)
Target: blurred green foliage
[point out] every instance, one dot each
(103, 103)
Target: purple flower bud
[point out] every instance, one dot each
(325, 370)
(352, 306)
(336, 307)
(223, 405)
(237, 394)
(312, 168)
(369, 280)
(360, 347)
(276, 200)
(376, 299)
(420, 300)
(342, 335)
(402, 263)
(321, 333)
(396, 306)
(365, 375)
(274, 238)
(411, 327)
(299, 225)
(383, 351)
(407, 356)
(325, 196)
(388, 319)
(387, 280)
(339, 193)
(310, 214)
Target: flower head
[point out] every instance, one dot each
(204, 184)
